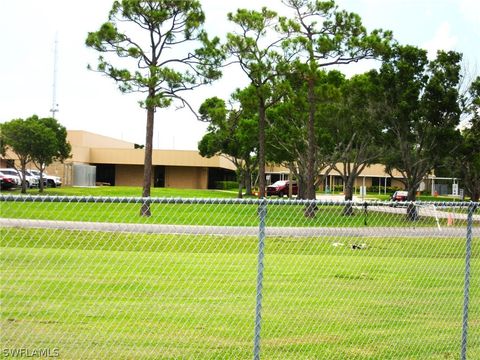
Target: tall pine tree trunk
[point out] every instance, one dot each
(310, 190)
(261, 146)
(311, 209)
(147, 167)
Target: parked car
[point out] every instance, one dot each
(6, 182)
(36, 173)
(48, 180)
(30, 173)
(399, 196)
(31, 180)
(13, 174)
(280, 188)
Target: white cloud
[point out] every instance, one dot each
(470, 10)
(442, 40)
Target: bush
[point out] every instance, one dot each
(338, 188)
(226, 185)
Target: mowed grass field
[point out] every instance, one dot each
(127, 191)
(172, 192)
(107, 295)
(202, 214)
(178, 213)
(94, 295)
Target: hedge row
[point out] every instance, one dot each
(226, 185)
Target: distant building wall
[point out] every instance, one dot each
(129, 175)
(175, 176)
(186, 177)
(80, 154)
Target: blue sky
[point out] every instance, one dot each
(90, 101)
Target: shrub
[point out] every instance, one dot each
(226, 185)
(338, 188)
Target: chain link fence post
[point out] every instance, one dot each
(466, 291)
(262, 213)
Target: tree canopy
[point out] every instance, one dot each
(421, 112)
(289, 123)
(38, 140)
(17, 135)
(50, 145)
(231, 133)
(356, 130)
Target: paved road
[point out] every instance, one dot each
(384, 232)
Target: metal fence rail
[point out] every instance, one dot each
(89, 278)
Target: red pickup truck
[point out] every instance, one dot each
(280, 188)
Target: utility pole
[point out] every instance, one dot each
(54, 108)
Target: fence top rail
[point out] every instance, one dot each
(248, 201)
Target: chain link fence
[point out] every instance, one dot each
(89, 278)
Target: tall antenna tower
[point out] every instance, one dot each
(54, 108)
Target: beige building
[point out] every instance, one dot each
(116, 162)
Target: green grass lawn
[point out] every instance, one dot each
(128, 191)
(211, 214)
(187, 193)
(198, 214)
(123, 296)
